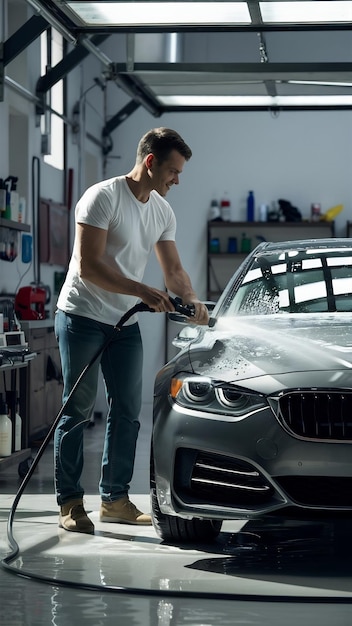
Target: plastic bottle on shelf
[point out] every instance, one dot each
(214, 213)
(214, 245)
(225, 208)
(250, 207)
(245, 244)
(18, 427)
(232, 245)
(5, 430)
(263, 212)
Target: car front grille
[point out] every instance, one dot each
(220, 480)
(314, 414)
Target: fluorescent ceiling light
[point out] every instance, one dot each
(318, 83)
(160, 13)
(301, 12)
(270, 101)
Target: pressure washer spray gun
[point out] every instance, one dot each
(188, 310)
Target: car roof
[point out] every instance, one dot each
(305, 244)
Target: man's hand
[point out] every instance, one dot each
(201, 314)
(157, 300)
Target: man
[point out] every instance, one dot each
(118, 224)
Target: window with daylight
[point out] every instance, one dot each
(52, 124)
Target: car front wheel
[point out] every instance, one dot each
(179, 530)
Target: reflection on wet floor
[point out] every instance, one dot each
(318, 553)
(266, 558)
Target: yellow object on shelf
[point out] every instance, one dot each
(330, 214)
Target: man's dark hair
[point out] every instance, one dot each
(160, 142)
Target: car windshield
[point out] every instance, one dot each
(293, 281)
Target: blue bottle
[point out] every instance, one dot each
(250, 207)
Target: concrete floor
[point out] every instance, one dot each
(292, 573)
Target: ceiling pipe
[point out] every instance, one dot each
(22, 91)
(173, 47)
(28, 95)
(153, 48)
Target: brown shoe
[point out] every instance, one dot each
(123, 511)
(73, 517)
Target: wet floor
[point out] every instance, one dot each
(287, 571)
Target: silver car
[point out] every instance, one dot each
(253, 416)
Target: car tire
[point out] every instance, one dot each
(178, 530)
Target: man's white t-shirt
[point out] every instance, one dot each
(133, 228)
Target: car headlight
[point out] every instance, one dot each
(201, 392)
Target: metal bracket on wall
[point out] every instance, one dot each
(120, 117)
(61, 69)
(18, 42)
(21, 39)
(134, 89)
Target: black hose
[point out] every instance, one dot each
(140, 306)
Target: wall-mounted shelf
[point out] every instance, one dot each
(222, 264)
(14, 225)
(9, 238)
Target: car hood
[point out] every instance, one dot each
(292, 350)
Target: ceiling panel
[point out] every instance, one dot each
(188, 13)
(257, 52)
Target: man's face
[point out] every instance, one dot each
(166, 174)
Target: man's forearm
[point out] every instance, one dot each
(180, 284)
(108, 278)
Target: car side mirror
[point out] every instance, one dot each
(185, 336)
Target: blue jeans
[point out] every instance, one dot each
(79, 340)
